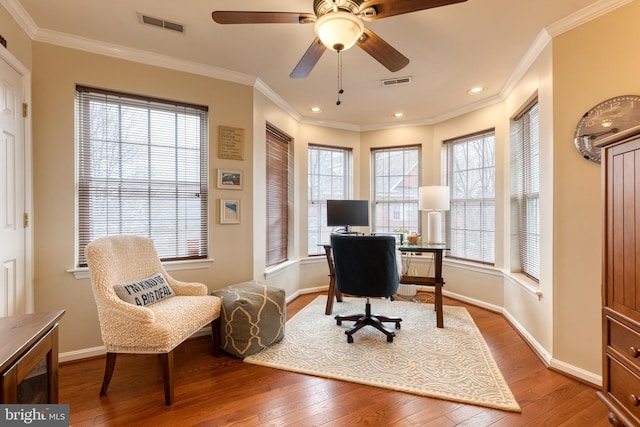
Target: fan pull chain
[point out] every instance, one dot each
(340, 90)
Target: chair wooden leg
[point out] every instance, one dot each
(166, 359)
(215, 336)
(108, 372)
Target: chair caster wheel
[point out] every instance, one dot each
(349, 339)
(389, 338)
(398, 325)
(339, 322)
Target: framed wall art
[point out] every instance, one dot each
(229, 211)
(230, 179)
(230, 143)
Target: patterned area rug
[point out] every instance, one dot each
(453, 363)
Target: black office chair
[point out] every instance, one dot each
(366, 266)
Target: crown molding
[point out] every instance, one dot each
(264, 89)
(21, 16)
(584, 15)
(331, 124)
(141, 56)
(547, 34)
(570, 22)
(526, 62)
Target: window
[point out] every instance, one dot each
(142, 169)
(470, 167)
(525, 188)
(396, 178)
(329, 178)
(277, 190)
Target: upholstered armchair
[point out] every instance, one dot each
(161, 311)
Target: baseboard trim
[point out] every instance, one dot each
(577, 373)
(543, 355)
(88, 353)
(85, 353)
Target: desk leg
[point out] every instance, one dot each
(332, 283)
(438, 278)
(439, 315)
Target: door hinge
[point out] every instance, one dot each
(25, 220)
(25, 109)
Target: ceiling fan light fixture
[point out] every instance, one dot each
(338, 30)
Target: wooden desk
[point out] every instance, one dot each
(29, 341)
(437, 281)
(333, 292)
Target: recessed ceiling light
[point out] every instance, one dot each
(315, 109)
(476, 90)
(398, 115)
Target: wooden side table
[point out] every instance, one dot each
(29, 358)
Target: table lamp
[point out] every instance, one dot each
(434, 199)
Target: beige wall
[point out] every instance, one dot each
(18, 42)
(56, 71)
(265, 111)
(578, 69)
(311, 273)
(310, 134)
(479, 284)
(594, 62)
(532, 313)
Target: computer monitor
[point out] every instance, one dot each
(347, 213)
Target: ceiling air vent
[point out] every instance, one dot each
(157, 22)
(395, 82)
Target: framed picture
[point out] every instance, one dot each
(230, 179)
(229, 211)
(230, 143)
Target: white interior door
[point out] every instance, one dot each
(13, 295)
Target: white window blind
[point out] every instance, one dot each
(329, 177)
(278, 152)
(525, 187)
(396, 178)
(142, 170)
(471, 178)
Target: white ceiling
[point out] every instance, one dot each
(451, 48)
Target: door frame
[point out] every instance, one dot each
(25, 73)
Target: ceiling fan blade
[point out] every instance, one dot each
(242, 17)
(308, 60)
(387, 8)
(382, 51)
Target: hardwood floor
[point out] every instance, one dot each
(224, 391)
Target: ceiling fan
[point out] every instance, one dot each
(338, 25)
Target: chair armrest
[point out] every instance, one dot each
(188, 288)
(133, 312)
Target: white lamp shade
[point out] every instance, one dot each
(433, 198)
(338, 30)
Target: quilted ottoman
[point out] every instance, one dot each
(252, 317)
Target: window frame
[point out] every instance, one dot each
(109, 143)
(278, 193)
(408, 203)
(525, 190)
(316, 235)
(484, 205)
